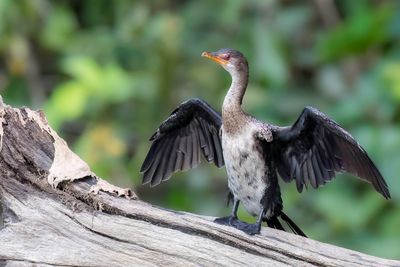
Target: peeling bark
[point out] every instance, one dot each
(53, 213)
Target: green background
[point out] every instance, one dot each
(106, 73)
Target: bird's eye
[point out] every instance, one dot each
(225, 56)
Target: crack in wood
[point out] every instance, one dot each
(114, 211)
(121, 240)
(198, 232)
(7, 261)
(1, 215)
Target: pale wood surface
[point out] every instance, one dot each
(41, 225)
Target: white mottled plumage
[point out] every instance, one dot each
(245, 167)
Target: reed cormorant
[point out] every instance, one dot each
(311, 151)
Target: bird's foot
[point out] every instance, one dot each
(250, 229)
(229, 220)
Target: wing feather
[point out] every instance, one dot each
(315, 148)
(190, 131)
(163, 157)
(172, 159)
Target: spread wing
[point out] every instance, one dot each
(191, 129)
(315, 148)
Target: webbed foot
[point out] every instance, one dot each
(229, 220)
(250, 229)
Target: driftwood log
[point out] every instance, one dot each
(55, 212)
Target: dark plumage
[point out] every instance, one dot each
(191, 129)
(312, 151)
(316, 147)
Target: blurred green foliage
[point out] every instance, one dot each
(107, 73)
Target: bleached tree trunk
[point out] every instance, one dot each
(55, 212)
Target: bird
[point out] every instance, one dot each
(255, 154)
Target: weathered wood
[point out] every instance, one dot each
(47, 220)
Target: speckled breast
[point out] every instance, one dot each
(246, 169)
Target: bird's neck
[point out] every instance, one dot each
(233, 99)
(233, 117)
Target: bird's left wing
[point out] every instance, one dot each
(315, 148)
(191, 129)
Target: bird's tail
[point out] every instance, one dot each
(274, 222)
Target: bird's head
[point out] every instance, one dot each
(231, 60)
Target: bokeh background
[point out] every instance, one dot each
(107, 73)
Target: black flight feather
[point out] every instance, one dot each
(191, 129)
(316, 147)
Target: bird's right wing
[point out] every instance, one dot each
(191, 129)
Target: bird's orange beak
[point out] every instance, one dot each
(214, 58)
